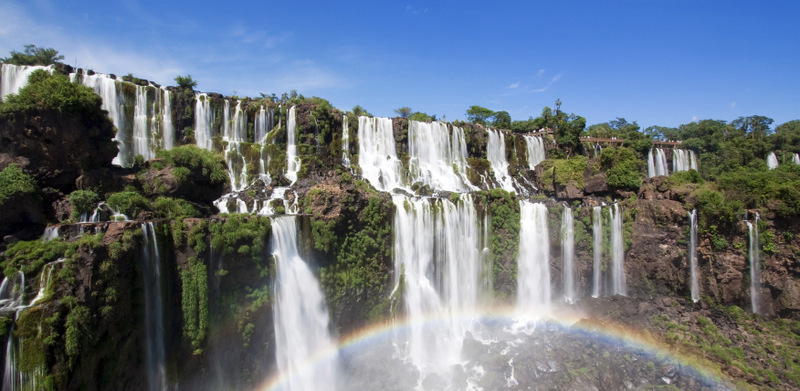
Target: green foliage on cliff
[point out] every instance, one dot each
(129, 203)
(505, 214)
(777, 190)
(54, 92)
(623, 169)
(14, 184)
(82, 202)
(33, 55)
(563, 171)
(209, 164)
(174, 208)
(30, 256)
(194, 303)
(241, 234)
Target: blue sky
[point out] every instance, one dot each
(655, 62)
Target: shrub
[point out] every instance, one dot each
(14, 182)
(186, 82)
(208, 163)
(82, 201)
(129, 203)
(564, 170)
(623, 168)
(33, 55)
(174, 208)
(53, 92)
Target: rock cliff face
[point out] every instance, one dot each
(218, 271)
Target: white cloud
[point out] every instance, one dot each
(694, 118)
(514, 85)
(733, 104)
(540, 73)
(555, 78)
(415, 11)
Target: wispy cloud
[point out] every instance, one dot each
(540, 73)
(517, 89)
(415, 11)
(249, 36)
(733, 104)
(514, 85)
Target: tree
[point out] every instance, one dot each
(756, 126)
(185, 82)
(479, 115)
(34, 55)
(359, 111)
(403, 112)
(502, 120)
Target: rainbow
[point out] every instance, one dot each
(619, 335)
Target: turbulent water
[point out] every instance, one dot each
(496, 154)
(568, 255)
(300, 316)
(657, 163)
(438, 158)
(618, 283)
(154, 315)
(755, 264)
(533, 260)
(597, 247)
(377, 154)
(693, 272)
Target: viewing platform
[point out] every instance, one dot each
(597, 140)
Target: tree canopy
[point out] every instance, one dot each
(34, 55)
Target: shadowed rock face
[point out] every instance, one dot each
(56, 149)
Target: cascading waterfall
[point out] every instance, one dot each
(301, 319)
(377, 154)
(345, 142)
(442, 274)
(14, 77)
(292, 160)
(657, 163)
(265, 120)
(50, 233)
(535, 150)
(154, 317)
(496, 154)
(12, 294)
(167, 128)
(141, 134)
(755, 265)
(597, 254)
(437, 158)
(695, 283)
(772, 161)
(203, 118)
(796, 158)
(113, 102)
(45, 277)
(533, 261)
(568, 254)
(618, 284)
(234, 132)
(683, 160)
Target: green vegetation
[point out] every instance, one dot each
(128, 202)
(33, 55)
(54, 92)
(209, 164)
(15, 185)
(82, 202)
(505, 214)
(563, 171)
(623, 169)
(185, 82)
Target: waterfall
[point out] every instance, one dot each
(167, 129)
(377, 155)
(438, 248)
(345, 142)
(618, 285)
(50, 233)
(693, 256)
(141, 134)
(45, 277)
(568, 254)
(496, 154)
(533, 261)
(437, 158)
(772, 161)
(300, 316)
(683, 160)
(12, 294)
(14, 77)
(657, 163)
(114, 102)
(265, 120)
(203, 118)
(535, 150)
(233, 134)
(796, 158)
(154, 323)
(755, 265)
(292, 161)
(597, 254)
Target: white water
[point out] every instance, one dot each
(292, 160)
(12, 293)
(496, 154)
(265, 120)
(568, 255)
(203, 119)
(695, 283)
(683, 160)
(377, 154)
(437, 157)
(535, 150)
(657, 163)
(345, 141)
(45, 277)
(233, 134)
(301, 319)
(533, 261)
(755, 265)
(154, 323)
(439, 250)
(772, 161)
(597, 255)
(167, 128)
(113, 102)
(796, 158)
(141, 134)
(14, 77)
(50, 233)
(618, 283)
